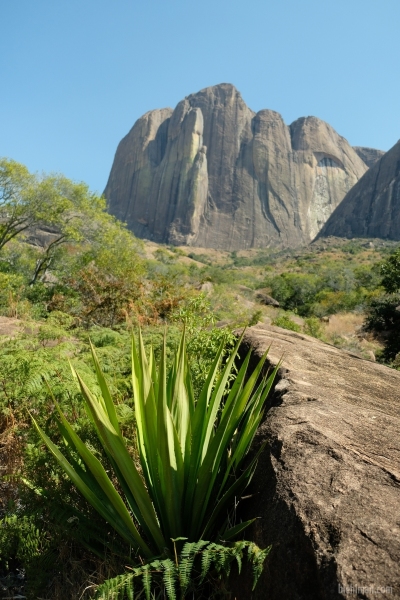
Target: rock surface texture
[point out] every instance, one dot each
(213, 173)
(327, 487)
(372, 207)
(369, 155)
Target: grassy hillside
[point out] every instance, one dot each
(323, 290)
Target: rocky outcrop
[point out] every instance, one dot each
(213, 173)
(266, 299)
(327, 487)
(369, 155)
(372, 207)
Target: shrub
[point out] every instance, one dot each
(383, 318)
(313, 327)
(191, 453)
(390, 270)
(286, 322)
(294, 290)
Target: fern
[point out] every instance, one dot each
(188, 554)
(177, 579)
(118, 587)
(170, 578)
(257, 558)
(239, 546)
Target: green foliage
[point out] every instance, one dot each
(255, 317)
(26, 362)
(390, 271)
(324, 287)
(188, 450)
(21, 540)
(204, 340)
(383, 318)
(164, 256)
(20, 202)
(383, 313)
(313, 327)
(330, 302)
(200, 258)
(294, 290)
(286, 322)
(67, 211)
(174, 579)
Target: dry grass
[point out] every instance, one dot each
(345, 331)
(344, 324)
(9, 326)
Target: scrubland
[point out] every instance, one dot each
(96, 284)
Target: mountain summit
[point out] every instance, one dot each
(213, 173)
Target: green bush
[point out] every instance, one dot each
(294, 290)
(328, 302)
(313, 327)
(286, 322)
(383, 318)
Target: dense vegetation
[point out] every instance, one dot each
(69, 272)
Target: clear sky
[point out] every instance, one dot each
(76, 74)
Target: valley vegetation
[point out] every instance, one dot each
(71, 275)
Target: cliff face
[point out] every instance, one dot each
(369, 155)
(372, 207)
(213, 173)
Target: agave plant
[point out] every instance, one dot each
(191, 450)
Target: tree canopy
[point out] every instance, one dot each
(390, 270)
(52, 213)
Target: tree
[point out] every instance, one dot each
(74, 215)
(57, 216)
(19, 200)
(383, 313)
(390, 270)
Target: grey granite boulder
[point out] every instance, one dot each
(266, 299)
(327, 488)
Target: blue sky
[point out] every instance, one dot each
(77, 74)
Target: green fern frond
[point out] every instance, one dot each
(257, 558)
(146, 579)
(187, 556)
(129, 589)
(176, 579)
(206, 560)
(170, 578)
(238, 553)
(117, 588)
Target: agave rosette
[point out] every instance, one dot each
(191, 450)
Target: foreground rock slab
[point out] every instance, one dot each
(327, 488)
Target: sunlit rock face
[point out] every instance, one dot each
(213, 173)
